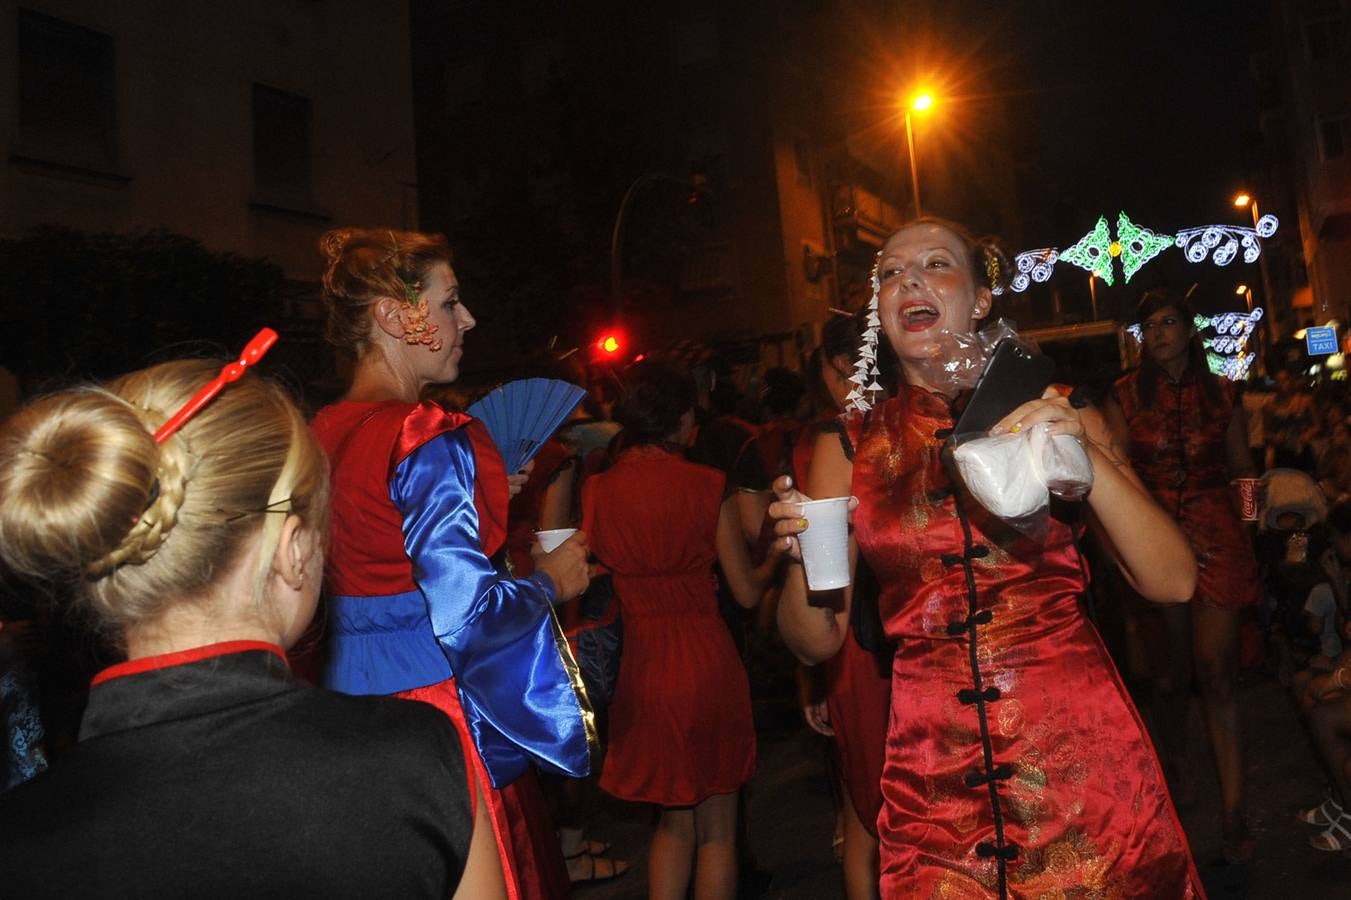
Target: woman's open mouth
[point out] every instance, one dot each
(918, 316)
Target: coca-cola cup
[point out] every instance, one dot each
(1249, 498)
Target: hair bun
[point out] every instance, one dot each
(77, 471)
(333, 243)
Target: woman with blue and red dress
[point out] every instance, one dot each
(1015, 764)
(415, 606)
(1187, 437)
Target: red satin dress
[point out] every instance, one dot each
(1016, 765)
(680, 721)
(1178, 450)
(858, 692)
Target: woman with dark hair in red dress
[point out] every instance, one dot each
(1187, 437)
(857, 702)
(1016, 765)
(681, 735)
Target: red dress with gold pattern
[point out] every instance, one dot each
(1016, 765)
(1178, 450)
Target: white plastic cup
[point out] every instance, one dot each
(549, 540)
(825, 543)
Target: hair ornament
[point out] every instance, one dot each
(252, 352)
(991, 267)
(412, 285)
(866, 371)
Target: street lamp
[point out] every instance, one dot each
(1241, 200)
(1244, 291)
(921, 103)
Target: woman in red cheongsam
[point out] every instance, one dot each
(1187, 438)
(1016, 765)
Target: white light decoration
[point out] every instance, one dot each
(1222, 242)
(1032, 265)
(1227, 353)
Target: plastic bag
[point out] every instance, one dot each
(955, 361)
(1014, 475)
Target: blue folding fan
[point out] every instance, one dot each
(521, 415)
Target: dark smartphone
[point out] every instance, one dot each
(1015, 374)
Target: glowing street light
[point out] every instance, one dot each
(1241, 290)
(921, 103)
(1242, 199)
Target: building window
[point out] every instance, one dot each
(1322, 36)
(1333, 135)
(282, 159)
(67, 92)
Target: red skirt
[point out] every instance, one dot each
(859, 699)
(531, 859)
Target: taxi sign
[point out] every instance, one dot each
(1321, 340)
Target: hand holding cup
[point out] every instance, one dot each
(566, 564)
(823, 552)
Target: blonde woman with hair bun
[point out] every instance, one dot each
(203, 766)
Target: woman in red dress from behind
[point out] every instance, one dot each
(681, 734)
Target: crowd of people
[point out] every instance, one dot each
(339, 661)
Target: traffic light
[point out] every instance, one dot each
(610, 345)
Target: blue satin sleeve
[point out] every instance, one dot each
(497, 633)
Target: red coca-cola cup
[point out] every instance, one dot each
(1249, 498)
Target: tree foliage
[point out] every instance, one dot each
(81, 305)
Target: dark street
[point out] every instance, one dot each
(790, 806)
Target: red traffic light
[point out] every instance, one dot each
(609, 343)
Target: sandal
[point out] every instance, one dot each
(1337, 836)
(1323, 814)
(586, 845)
(595, 872)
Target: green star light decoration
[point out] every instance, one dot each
(1093, 252)
(1138, 245)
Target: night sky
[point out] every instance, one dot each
(1146, 107)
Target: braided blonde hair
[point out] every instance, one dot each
(88, 497)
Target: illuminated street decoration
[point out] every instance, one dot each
(1093, 252)
(1227, 352)
(1221, 242)
(1034, 265)
(1137, 245)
